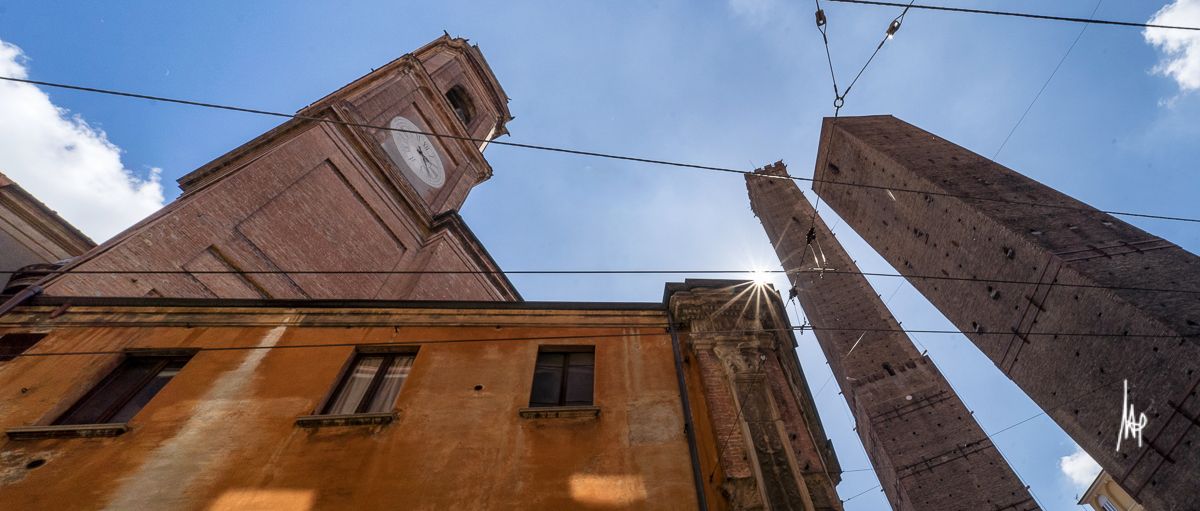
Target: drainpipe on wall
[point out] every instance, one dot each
(689, 427)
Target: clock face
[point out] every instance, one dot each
(417, 152)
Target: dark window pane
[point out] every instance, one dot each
(12, 345)
(551, 359)
(563, 378)
(125, 391)
(547, 380)
(143, 396)
(579, 383)
(583, 359)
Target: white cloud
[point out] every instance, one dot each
(1080, 468)
(1181, 48)
(66, 163)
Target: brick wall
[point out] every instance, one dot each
(1058, 327)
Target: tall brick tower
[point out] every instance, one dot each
(1053, 291)
(926, 447)
(266, 219)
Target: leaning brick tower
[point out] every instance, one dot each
(1068, 301)
(927, 449)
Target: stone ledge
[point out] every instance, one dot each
(349, 419)
(67, 431)
(559, 412)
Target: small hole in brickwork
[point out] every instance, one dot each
(35, 463)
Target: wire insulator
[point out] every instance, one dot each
(820, 18)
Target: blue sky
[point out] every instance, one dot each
(736, 84)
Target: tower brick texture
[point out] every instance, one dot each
(326, 205)
(926, 447)
(1069, 302)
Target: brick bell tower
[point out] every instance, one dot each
(264, 220)
(926, 447)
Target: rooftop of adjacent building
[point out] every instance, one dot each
(73, 239)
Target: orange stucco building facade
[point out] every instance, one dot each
(239, 425)
(224, 434)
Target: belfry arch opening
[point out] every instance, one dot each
(461, 103)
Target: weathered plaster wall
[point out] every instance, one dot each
(222, 434)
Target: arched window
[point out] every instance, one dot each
(461, 103)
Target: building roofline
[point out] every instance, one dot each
(690, 284)
(69, 234)
(158, 301)
(452, 220)
(1083, 500)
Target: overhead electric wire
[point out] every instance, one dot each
(600, 272)
(839, 97)
(964, 332)
(838, 102)
(863, 492)
(822, 26)
(1047, 83)
(356, 344)
(366, 324)
(891, 31)
(1019, 15)
(571, 151)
